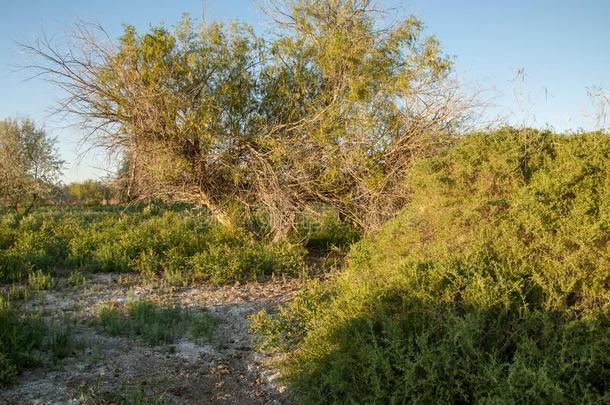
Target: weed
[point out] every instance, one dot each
(39, 280)
(128, 395)
(202, 326)
(177, 244)
(18, 292)
(59, 340)
(76, 278)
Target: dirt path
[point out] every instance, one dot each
(225, 370)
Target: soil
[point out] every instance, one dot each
(226, 369)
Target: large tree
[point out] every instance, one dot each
(350, 102)
(29, 164)
(332, 110)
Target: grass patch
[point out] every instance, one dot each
(154, 323)
(17, 292)
(202, 326)
(138, 394)
(76, 278)
(26, 341)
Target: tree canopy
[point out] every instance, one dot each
(333, 109)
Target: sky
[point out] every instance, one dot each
(532, 60)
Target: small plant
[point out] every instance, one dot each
(18, 292)
(147, 263)
(59, 340)
(8, 370)
(76, 278)
(176, 269)
(39, 280)
(202, 326)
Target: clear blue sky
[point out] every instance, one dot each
(562, 45)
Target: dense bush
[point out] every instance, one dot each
(491, 286)
(321, 228)
(177, 243)
(332, 111)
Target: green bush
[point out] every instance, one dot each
(491, 286)
(38, 280)
(20, 337)
(233, 254)
(286, 329)
(323, 229)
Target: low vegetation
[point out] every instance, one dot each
(177, 244)
(154, 323)
(26, 340)
(491, 286)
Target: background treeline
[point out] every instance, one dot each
(30, 171)
(88, 192)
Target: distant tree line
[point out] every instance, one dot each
(88, 192)
(332, 107)
(31, 168)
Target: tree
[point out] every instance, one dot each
(90, 192)
(351, 103)
(333, 110)
(29, 164)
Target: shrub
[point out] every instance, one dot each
(233, 254)
(286, 329)
(491, 286)
(203, 326)
(20, 337)
(76, 278)
(323, 229)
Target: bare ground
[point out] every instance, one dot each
(225, 370)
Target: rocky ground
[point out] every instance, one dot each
(225, 369)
